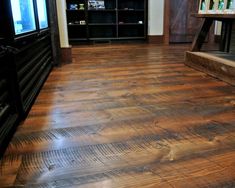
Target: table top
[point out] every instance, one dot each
(216, 16)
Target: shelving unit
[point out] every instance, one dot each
(26, 60)
(221, 63)
(73, 19)
(119, 20)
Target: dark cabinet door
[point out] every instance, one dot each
(182, 25)
(8, 111)
(55, 35)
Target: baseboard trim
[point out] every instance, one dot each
(66, 55)
(156, 39)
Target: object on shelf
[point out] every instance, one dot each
(230, 4)
(128, 9)
(202, 7)
(208, 6)
(140, 22)
(212, 7)
(221, 5)
(73, 6)
(230, 7)
(216, 7)
(81, 6)
(96, 4)
(82, 22)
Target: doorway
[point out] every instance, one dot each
(182, 25)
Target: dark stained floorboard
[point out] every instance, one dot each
(126, 116)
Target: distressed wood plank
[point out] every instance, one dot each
(133, 117)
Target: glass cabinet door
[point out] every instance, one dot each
(42, 14)
(23, 16)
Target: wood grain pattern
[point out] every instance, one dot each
(125, 116)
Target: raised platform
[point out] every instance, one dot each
(217, 64)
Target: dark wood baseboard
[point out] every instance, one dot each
(156, 39)
(66, 55)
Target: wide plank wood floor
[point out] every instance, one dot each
(126, 116)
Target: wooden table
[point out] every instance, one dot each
(220, 64)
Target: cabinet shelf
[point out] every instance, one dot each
(103, 38)
(129, 24)
(68, 10)
(102, 24)
(80, 25)
(131, 10)
(126, 38)
(102, 10)
(77, 39)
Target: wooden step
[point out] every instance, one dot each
(217, 64)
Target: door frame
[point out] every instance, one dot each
(166, 29)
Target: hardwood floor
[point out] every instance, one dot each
(126, 116)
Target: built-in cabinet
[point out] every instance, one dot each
(26, 59)
(106, 20)
(27, 35)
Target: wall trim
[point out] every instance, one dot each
(66, 55)
(166, 26)
(155, 39)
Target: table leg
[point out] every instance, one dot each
(226, 36)
(201, 36)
